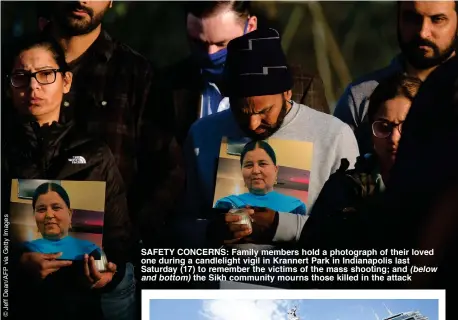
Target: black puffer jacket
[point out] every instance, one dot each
(34, 152)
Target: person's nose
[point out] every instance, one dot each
(49, 213)
(213, 49)
(425, 31)
(255, 122)
(395, 136)
(256, 169)
(34, 84)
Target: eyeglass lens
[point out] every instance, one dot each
(383, 129)
(43, 77)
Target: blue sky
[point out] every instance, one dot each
(373, 309)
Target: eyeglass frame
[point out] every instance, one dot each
(392, 125)
(34, 75)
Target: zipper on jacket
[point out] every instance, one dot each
(43, 158)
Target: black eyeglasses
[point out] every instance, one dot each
(384, 129)
(22, 79)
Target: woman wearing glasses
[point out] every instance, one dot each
(43, 143)
(340, 216)
(388, 108)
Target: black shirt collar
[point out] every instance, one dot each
(103, 46)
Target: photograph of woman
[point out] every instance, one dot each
(53, 215)
(260, 172)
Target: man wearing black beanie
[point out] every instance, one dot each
(258, 82)
(196, 80)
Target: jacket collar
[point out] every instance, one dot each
(103, 46)
(46, 136)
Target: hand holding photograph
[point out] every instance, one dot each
(64, 217)
(267, 176)
(53, 215)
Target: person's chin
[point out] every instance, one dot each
(36, 110)
(424, 60)
(259, 136)
(391, 157)
(258, 185)
(52, 229)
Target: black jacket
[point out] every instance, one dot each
(340, 218)
(34, 152)
(422, 194)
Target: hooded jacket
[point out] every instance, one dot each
(60, 152)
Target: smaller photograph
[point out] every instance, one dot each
(271, 173)
(51, 216)
(296, 305)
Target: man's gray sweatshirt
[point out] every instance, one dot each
(332, 140)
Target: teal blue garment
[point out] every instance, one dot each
(71, 248)
(272, 200)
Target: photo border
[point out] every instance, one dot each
(147, 295)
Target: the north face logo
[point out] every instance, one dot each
(77, 160)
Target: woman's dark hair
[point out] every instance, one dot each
(34, 41)
(398, 85)
(47, 187)
(204, 9)
(250, 146)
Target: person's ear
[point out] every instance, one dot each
(252, 24)
(67, 81)
(276, 175)
(287, 95)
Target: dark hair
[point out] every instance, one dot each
(250, 146)
(34, 41)
(47, 187)
(204, 9)
(398, 85)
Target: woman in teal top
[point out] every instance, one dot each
(51, 206)
(259, 171)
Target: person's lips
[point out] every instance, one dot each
(35, 100)
(424, 48)
(80, 12)
(50, 224)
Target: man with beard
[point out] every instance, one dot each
(427, 36)
(114, 98)
(197, 80)
(259, 84)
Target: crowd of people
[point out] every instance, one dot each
(383, 170)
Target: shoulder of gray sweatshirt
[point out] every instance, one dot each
(352, 105)
(332, 140)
